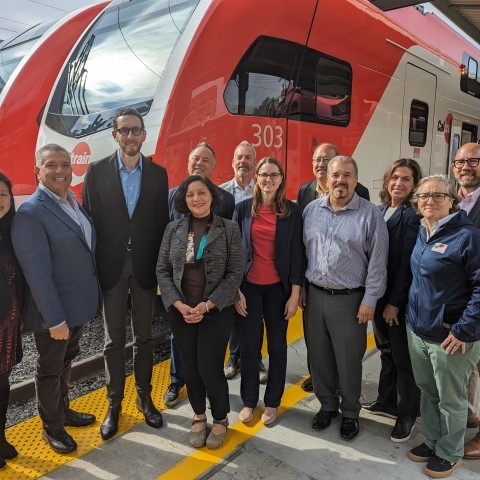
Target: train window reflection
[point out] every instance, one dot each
(417, 134)
(120, 62)
(277, 78)
(13, 51)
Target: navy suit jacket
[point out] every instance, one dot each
(474, 214)
(57, 263)
(290, 260)
(308, 193)
(402, 231)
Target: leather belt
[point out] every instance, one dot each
(342, 291)
(129, 247)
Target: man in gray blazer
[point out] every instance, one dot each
(54, 241)
(466, 168)
(241, 187)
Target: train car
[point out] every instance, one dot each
(29, 67)
(285, 76)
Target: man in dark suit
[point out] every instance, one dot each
(466, 168)
(127, 197)
(312, 190)
(54, 241)
(201, 161)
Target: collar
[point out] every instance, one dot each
(353, 204)
(236, 185)
(121, 165)
(54, 196)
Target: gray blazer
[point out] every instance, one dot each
(57, 263)
(223, 259)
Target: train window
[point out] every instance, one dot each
(120, 62)
(277, 78)
(13, 51)
(417, 133)
(472, 77)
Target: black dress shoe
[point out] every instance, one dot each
(59, 440)
(379, 408)
(349, 428)
(109, 426)
(323, 419)
(152, 416)
(78, 419)
(307, 385)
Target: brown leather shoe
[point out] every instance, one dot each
(473, 422)
(472, 448)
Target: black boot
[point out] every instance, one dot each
(7, 450)
(2, 462)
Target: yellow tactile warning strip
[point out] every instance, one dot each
(36, 458)
(203, 459)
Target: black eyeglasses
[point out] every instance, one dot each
(136, 131)
(471, 162)
(437, 197)
(273, 176)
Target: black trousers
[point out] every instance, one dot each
(396, 385)
(115, 318)
(202, 347)
(54, 364)
(264, 303)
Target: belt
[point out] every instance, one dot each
(129, 247)
(342, 291)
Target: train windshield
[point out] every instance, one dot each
(120, 62)
(13, 51)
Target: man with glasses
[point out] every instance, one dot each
(466, 168)
(312, 190)
(126, 195)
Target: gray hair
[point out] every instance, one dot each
(449, 186)
(246, 143)
(345, 159)
(50, 147)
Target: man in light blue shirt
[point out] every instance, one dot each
(346, 241)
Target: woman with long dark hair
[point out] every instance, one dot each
(398, 394)
(11, 288)
(271, 229)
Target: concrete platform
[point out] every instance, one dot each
(289, 449)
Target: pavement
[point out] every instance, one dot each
(288, 449)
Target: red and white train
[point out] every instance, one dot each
(284, 75)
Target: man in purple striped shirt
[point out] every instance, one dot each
(346, 241)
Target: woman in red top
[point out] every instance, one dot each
(271, 229)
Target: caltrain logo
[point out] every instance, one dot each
(80, 158)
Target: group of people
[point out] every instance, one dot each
(233, 260)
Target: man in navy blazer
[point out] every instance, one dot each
(126, 195)
(466, 169)
(54, 241)
(314, 189)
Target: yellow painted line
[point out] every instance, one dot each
(203, 459)
(36, 458)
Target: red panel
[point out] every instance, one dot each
(26, 98)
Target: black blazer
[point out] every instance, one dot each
(104, 200)
(290, 260)
(402, 231)
(308, 193)
(474, 214)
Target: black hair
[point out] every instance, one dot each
(179, 199)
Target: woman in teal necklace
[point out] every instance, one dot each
(199, 271)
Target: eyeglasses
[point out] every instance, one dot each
(437, 197)
(273, 176)
(321, 159)
(136, 131)
(472, 162)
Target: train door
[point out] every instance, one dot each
(460, 133)
(418, 113)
